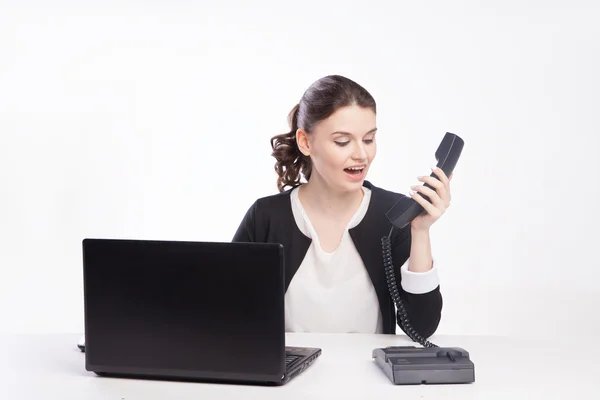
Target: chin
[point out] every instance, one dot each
(352, 183)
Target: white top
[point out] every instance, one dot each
(332, 292)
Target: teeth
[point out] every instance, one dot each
(356, 168)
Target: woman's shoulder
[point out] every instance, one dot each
(261, 216)
(275, 199)
(273, 204)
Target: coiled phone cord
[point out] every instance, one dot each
(395, 293)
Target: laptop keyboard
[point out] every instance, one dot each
(290, 359)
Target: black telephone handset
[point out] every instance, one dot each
(402, 213)
(447, 155)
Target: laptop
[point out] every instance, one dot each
(200, 311)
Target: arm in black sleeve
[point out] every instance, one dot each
(424, 309)
(246, 231)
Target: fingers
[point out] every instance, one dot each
(440, 189)
(441, 185)
(432, 194)
(441, 175)
(439, 195)
(433, 211)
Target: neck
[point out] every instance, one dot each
(328, 201)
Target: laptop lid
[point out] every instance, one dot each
(200, 310)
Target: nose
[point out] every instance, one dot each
(360, 152)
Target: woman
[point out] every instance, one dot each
(331, 227)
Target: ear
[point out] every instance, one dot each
(303, 142)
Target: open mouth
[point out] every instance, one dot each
(354, 170)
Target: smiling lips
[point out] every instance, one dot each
(355, 173)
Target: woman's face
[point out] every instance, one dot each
(342, 147)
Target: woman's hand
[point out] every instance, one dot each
(440, 199)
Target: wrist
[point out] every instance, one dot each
(420, 251)
(419, 231)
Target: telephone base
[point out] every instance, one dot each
(409, 365)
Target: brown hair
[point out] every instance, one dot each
(320, 101)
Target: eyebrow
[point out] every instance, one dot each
(349, 134)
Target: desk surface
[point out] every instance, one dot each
(51, 367)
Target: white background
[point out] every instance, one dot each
(141, 119)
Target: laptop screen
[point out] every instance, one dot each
(184, 305)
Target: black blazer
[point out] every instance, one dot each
(270, 219)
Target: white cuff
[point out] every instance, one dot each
(419, 282)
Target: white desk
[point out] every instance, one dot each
(51, 367)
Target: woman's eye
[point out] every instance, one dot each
(341, 144)
(368, 141)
